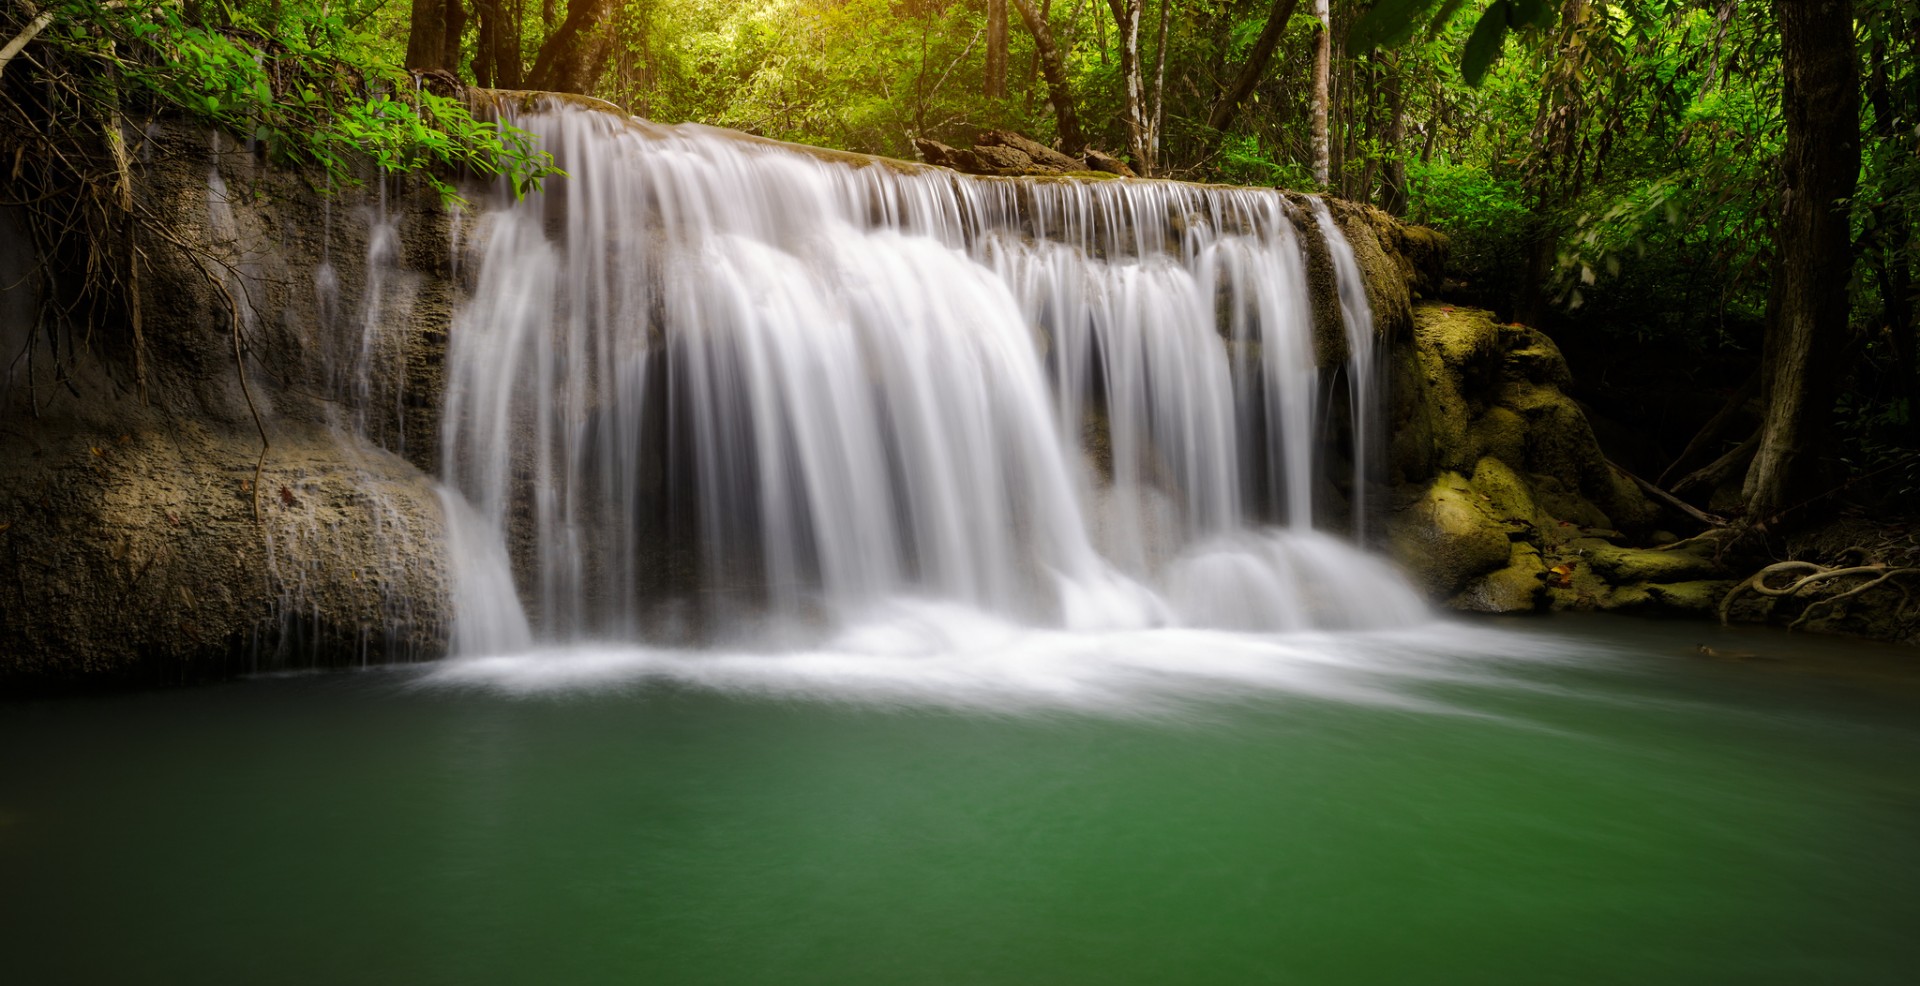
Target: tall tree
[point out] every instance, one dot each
(1813, 256)
(573, 56)
(1126, 20)
(433, 37)
(995, 86)
(496, 50)
(1256, 65)
(1394, 199)
(1322, 91)
(1053, 67)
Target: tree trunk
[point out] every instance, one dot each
(496, 54)
(572, 57)
(1395, 200)
(1157, 116)
(995, 85)
(1126, 22)
(1322, 92)
(1059, 91)
(433, 38)
(1807, 317)
(1249, 75)
(1369, 128)
(1893, 233)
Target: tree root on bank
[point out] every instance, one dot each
(1816, 576)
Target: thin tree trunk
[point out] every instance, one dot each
(995, 86)
(1126, 22)
(1249, 75)
(1894, 231)
(1807, 320)
(1395, 200)
(1370, 119)
(1158, 117)
(1059, 90)
(1322, 92)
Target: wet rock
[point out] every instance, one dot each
(1519, 587)
(1627, 565)
(147, 539)
(1701, 597)
(1446, 538)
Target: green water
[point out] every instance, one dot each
(1644, 816)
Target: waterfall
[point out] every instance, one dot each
(710, 384)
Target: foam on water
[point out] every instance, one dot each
(929, 654)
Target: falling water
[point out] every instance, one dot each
(723, 380)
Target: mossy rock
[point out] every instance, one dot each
(1520, 587)
(1509, 496)
(1446, 538)
(1623, 566)
(1500, 433)
(1410, 428)
(1701, 596)
(1566, 505)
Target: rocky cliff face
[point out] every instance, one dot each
(257, 500)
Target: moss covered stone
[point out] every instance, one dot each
(1519, 587)
(1446, 537)
(1701, 596)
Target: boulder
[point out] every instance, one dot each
(1446, 538)
(1039, 154)
(936, 153)
(1517, 588)
(1099, 160)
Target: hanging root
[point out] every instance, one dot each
(1819, 578)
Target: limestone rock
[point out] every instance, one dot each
(959, 159)
(1627, 565)
(1102, 161)
(1701, 597)
(1003, 160)
(1517, 588)
(1039, 154)
(1446, 538)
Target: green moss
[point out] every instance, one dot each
(1446, 538)
(1520, 587)
(1509, 496)
(1701, 596)
(1627, 565)
(1502, 434)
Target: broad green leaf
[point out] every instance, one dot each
(1483, 46)
(1386, 23)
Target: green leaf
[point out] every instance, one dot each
(1483, 46)
(1529, 13)
(1442, 16)
(1388, 23)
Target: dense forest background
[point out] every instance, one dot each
(1711, 203)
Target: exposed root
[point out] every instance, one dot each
(1817, 577)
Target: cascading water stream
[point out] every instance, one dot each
(702, 367)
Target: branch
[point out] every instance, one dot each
(1711, 520)
(1256, 66)
(33, 29)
